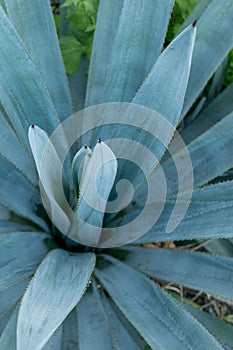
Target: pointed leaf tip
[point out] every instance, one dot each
(194, 23)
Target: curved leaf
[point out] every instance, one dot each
(90, 311)
(209, 216)
(21, 253)
(13, 150)
(55, 342)
(160, 320)
(55, 289)
(17, 69)
(8, 226)
(211, 47)
(8, 337)
(120, 333)
(70, 334)
(78, 85)
(190, 269)
(214, 112)
(18, 195)
(164, 88)
(106, 25)
(37, 26)
(220, 330)
(95, 186)
(53, 195)
(211, 155)
(146, 41)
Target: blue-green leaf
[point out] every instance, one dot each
(13, 150)
(106, 26)
(55, 342)
(8, 337)
(136, 47)
(164, 88)
(93, 324)
(70, 334)
(10, 296)
(21, 253)
(211, 155)
(95, 186)
(160, 320)
(78, 166)
(209, 216)
(214, 112)
(78, 85)
(220, 330)
(218, 80)
(7, 226)
(18, 195)
(138, 339)
(37, 26)
(220, 246)
(55, 289)
(119, 332)
(32, 103)
(54, 197)
(214, 41)
(2, 3)
(190, 269)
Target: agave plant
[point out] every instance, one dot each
(57, 293)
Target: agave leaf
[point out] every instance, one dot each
(38, 27)
(209, 216)
(18, 195)
(165, 86)
(211, 47)
(141, 344)
(223, 247)
(54, 200)
(8, 337)
(77, 166)
(2, 3)
(186, 268)
(214, 112)
(106, 26)
(196, 13)
(146, 42)
(10, 296)
(13, 150)
(17, 69)
(120, 334)
(90, 311)
(211, 155)
(70, 335)
(97, 180)
(55, 342)
(17, 266)
(218, 80)
(151, 310)
(63, 20)
(4, 213)
(78, 85)
(220, 330)
(55, 289)
(7, 227)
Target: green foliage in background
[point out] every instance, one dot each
(181, 10)
(81, 15)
